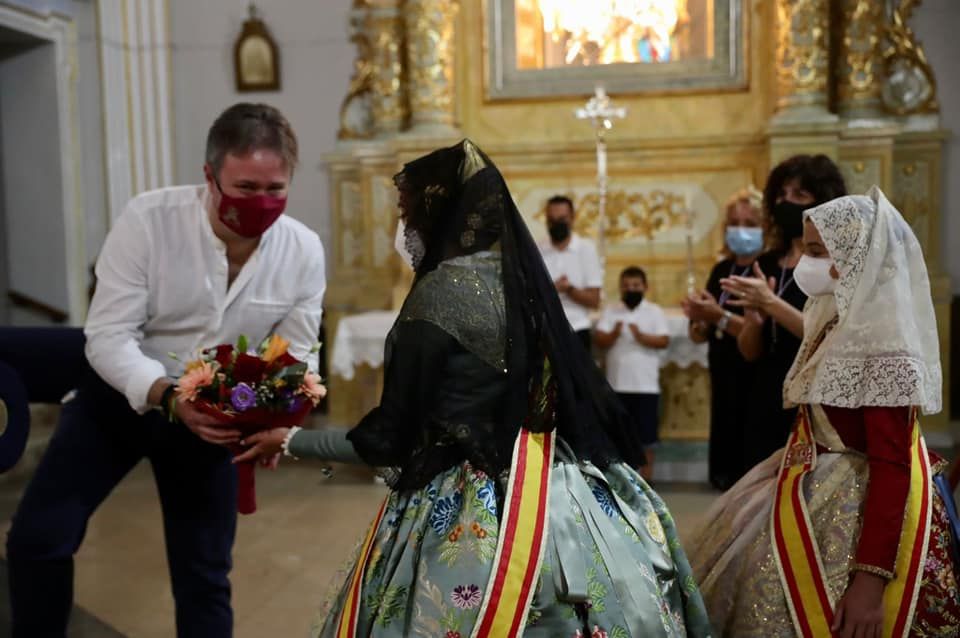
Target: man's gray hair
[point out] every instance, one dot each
(244, 128)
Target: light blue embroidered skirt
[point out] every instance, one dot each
(613, 565)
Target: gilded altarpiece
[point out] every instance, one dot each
(679, 148)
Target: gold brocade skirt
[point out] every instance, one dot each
(732, 552)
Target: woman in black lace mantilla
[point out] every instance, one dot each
(483, 380)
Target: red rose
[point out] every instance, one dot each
(224, 355)
(248, 369)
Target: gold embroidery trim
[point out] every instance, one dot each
(872, 569)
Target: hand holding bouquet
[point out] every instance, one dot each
(251, 391)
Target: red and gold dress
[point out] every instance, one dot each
(855, 498)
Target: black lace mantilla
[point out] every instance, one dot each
(464, 298)
(456, 338)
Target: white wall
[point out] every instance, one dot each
(42, 6)
(33, 195)
(936, 26)
(316, 62)
(90, 127)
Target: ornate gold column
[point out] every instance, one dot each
(430, 26)
(389, 104)
(859, 60)
(803, 122)
(356, 119)
(803, 59)
(375, 103)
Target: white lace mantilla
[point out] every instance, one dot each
(884, 350)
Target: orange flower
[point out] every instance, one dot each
(312, 388)
(276, 347)
(194, 379)
(193, 365)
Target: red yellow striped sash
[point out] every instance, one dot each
(523, 534)
(796, 551)
(347, 627)
(798, 556)
(900, 595)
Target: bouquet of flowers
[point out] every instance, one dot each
(251, 391)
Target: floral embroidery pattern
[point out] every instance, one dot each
(388, 603)
(488, 497)
(604, 499)
(443, 538)
(938, 609)
(445, 512)
(466, 596)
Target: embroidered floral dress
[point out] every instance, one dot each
(612, 566)
(434, 549)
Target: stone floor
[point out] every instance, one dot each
(284, 558)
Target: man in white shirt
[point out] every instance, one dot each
(574, 265)
(635, 331)
(182, 269)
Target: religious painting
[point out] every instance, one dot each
(255, 57)
(542, 48)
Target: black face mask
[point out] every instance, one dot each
(632, 298)
(789, 218)
(559, 231)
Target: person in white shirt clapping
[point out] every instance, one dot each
(635, 331)
(183, 268)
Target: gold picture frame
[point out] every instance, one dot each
(724, 70)
(256, 58)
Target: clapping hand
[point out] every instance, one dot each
(756, 317)
(751, 292)
(701, 306)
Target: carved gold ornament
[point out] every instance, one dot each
(628, 215)
(802, 50)
(860, 57)
(361, 83)
(910, 85)
(430, 55)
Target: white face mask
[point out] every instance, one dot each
(408, 245)
(812, 275)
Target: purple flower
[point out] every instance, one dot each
(294, 404)
(243, 397)
(466, 596)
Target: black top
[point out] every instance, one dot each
(768, 423)
(779, 344)
(440, 406)
(457, 205)
(731, 380)
(723, 349)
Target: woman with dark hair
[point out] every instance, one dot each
(773, 325)
(513, 506)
